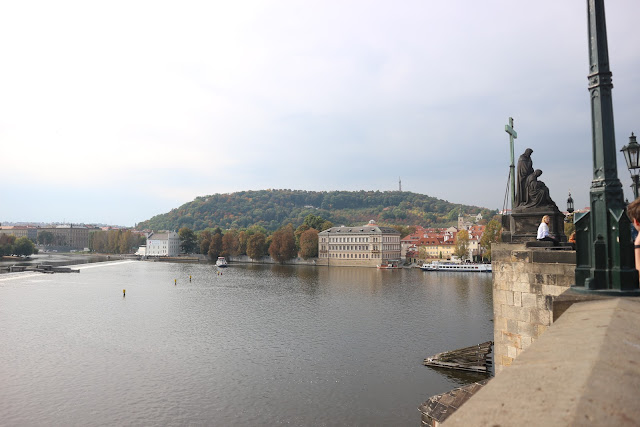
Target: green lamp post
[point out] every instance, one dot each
(632, 157)
(604, 251)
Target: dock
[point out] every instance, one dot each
(476, 358)
(40, 268)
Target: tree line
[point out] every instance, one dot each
(273, 209)
(282, 245)
(20, 246)
(115, 241)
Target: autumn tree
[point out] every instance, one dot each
(256, 245)
(283, 244)
(309, 244)
(204, 240)
(215, 247)
(230, 243)
(298, 233)
(243, 239)
(188, 240)
(462, 244)
(491, 235)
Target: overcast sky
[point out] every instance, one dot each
(112, 112)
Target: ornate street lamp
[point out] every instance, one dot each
(570, 204)
(632, 157)
(604, 250)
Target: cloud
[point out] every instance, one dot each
(165, 101)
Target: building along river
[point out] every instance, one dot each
(254, 345)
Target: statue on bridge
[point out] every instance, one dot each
(531, 192)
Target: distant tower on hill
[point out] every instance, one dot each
(399, 184)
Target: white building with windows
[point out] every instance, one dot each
(361, 246)
(163, 244)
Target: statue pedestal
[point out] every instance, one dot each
(522, 225)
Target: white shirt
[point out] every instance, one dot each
(543, 230)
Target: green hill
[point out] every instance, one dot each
(273, 208)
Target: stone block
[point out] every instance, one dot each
(499, 324)
(525, 342)
(544, 302)
(540, 329)
(521, 286)
(552, 290)
(529, 300)
(516, 313)
(508, 298)
(551, 279)
(507, 361)
(541, 317)
(512, 326)
(527, 329)
(517, 299)
(511, 352)
(520, 256)
(499, 297)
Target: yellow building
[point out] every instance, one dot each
(364, 246)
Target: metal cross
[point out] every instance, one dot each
(512, 135)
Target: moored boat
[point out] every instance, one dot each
(389, 265)
(221, 262)
(473, 267)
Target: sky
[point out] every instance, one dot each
(113, 112)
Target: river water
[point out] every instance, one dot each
(258, 345)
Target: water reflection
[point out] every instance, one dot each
(297, 345)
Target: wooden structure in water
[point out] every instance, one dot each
(476, 358)
(41, 268)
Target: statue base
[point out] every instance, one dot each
(522, 225)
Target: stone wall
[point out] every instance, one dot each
(525, 280)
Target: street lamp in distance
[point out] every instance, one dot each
(570, 204)
(632, 157)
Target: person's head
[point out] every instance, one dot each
(538, 172)
(633, 210)
(546, 219)
(528, 151)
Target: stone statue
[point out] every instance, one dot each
(537, 192)
(525, 168)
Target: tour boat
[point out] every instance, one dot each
(389, 265)
(221, 262)
(437, 266)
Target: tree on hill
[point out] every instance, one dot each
(283, 244)
(309, 244)
(320, 210)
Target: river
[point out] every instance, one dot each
(258, 345)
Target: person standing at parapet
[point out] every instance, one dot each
(543, 231)
(633, 212)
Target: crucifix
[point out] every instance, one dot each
(512, 135)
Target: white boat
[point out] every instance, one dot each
(437, 266)
(389, 265)
(221, 262)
